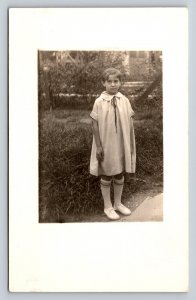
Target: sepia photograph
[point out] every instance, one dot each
(98, 150)
(100, 136)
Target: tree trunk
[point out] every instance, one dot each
(150, 88)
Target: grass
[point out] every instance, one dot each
(65, 186)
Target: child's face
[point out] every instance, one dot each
(112, 84)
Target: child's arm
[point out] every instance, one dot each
(100, 153)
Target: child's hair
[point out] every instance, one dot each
(111, 71)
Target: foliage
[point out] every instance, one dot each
(76, 82)
(154, 101)
(83, 75)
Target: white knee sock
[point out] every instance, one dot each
(118, 188)
(105, 190)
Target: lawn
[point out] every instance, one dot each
(66, 189)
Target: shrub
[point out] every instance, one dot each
(81, 77)
(81, 74)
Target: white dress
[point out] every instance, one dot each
(116, 135)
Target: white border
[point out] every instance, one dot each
(97, 257)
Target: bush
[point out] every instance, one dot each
(81, 77)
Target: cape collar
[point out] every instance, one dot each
(109, 97)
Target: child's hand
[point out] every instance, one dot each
(100, 154)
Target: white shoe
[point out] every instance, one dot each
(122, 209)
(111, 214)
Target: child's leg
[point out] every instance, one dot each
(118, 188)
(118, 183)
(105, 190)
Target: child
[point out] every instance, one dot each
(113, 148)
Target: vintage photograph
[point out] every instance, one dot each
(100, 117)
(98, 150)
